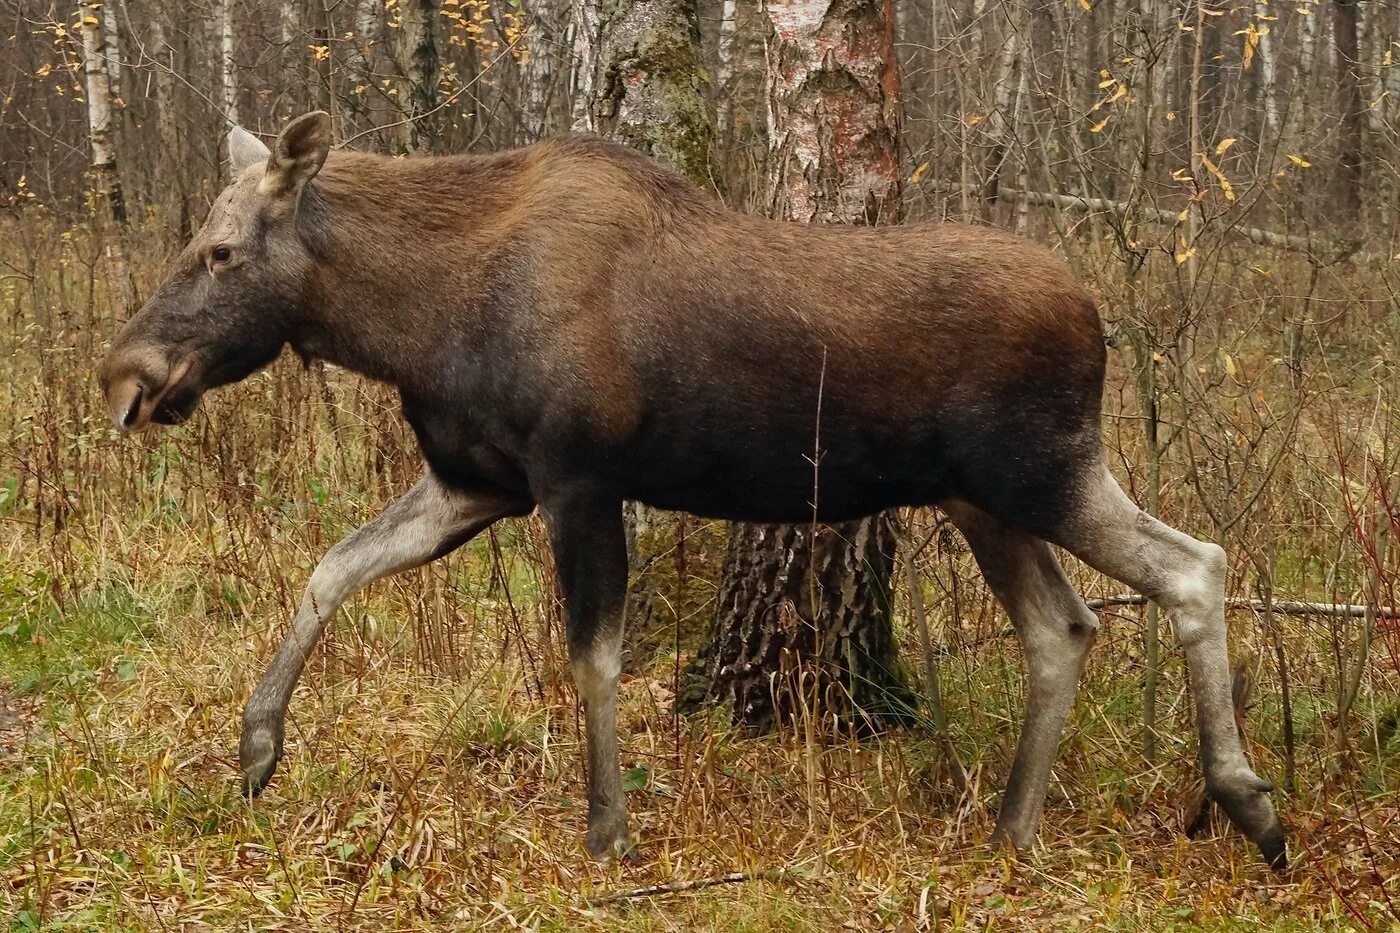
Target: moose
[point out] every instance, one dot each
(571, 325)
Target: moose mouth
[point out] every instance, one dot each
(135, 403)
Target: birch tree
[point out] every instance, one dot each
(643, 81)
(105, 178)
(419, 67)
(548, 28)
(228, 68)
(810, 603)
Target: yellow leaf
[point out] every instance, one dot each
(1224, 144)
(1088, 7)
(1227, 189)
(1299, 161)
(1098, 127)
(918, 173)
(89, 21)
(1171, 115)
(1183, 255)
(1230, 365)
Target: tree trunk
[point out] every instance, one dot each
(1001, 124)
(586, 26)
(547, 27)
(1350, 110)
(104, 154)
(228, 69)
(804, 610)
(724, 71)
(171, 161)
(644, 78)
(360, 70)
(418, 63)
(112, 53)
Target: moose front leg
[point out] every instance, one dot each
(590, 552)
(425, 523)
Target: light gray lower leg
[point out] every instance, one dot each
(1056, 631)
(426, 522)
(1186, 578)
(595, 670)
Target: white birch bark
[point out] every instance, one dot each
(228, 68)
(547, 28)
(360, 64)
(818, 66)
(104, 154)
(724, 70)
(112, 49)
(1268, 71)
(586, 26)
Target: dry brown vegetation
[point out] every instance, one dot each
(433, 775)
(1238, 226)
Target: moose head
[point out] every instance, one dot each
(233, 297)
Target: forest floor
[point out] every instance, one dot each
(417, 795)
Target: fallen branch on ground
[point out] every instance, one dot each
(677, 887)
(1288, 607)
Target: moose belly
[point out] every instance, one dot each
(778, 482)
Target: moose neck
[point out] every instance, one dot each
(398, 244)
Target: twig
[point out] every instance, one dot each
(1292, 607)
(677, 887)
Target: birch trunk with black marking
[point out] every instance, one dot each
(419, 69)
(545, 40)
(360, 70)
(228, 68)
(803, 618)
(105, 178)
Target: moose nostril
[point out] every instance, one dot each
(133, 407)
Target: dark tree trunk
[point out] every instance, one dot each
(1350, 109)
(803, 624)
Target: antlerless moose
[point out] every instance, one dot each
(581, 327)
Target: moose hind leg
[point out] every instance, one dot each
(1056, 631)
(1186, 578)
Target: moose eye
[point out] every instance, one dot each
(221, 254)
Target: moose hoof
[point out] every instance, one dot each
(1249, 807)
(1014, 839)
(608, 840)
(258, 753)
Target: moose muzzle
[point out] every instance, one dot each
(143, 386)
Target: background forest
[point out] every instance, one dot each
(816, 721)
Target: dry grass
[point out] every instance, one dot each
(433, 772)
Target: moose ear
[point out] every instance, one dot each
(297, 156)
(244, 149)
